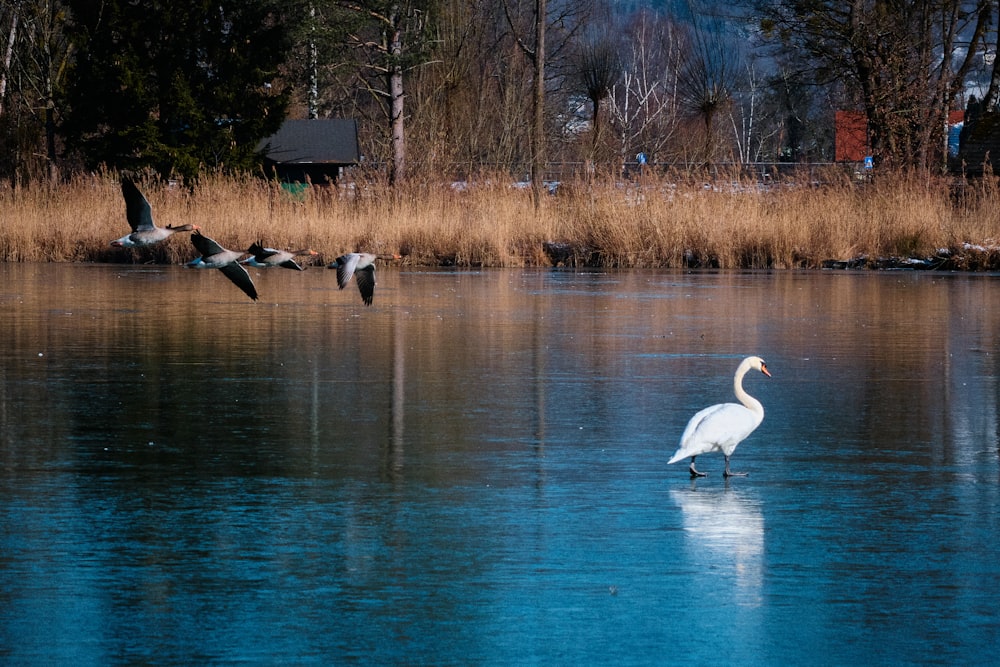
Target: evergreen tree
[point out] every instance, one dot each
(177, 86)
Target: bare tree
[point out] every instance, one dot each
(644, 106)
(392, 39)
(709, 74)
(906, 61)
(947, 79)
(992, 97)
(749, 118)
(36, 61)
(600, 69)
(471, 108)
(312, 65)
(534, 48)
(15, 17)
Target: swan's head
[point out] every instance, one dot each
(757, 364)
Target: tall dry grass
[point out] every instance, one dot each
(658, 222)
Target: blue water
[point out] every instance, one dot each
(473, 471)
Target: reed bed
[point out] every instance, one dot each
(660, 222)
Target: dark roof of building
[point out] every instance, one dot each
(332, 141)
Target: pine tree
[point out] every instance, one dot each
(176, 86)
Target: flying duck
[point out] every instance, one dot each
(140, 219)
(361, 264)
(214, 256)
(267, 257)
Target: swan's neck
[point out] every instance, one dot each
(746, 399)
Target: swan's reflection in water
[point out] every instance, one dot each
(724, 538)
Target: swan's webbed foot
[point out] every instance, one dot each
(694, 473)
(729, 473)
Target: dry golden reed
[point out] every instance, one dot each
(657, 222)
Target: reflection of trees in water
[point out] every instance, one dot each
(892, 364)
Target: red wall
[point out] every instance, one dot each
(851, 142)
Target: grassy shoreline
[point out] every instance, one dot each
(665, 223)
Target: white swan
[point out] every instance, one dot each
(721, 427)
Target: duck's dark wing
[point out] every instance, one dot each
(240, 278)
(262, 254)
(366, 283)
(137, 209)
(206, 246)
(291, 264)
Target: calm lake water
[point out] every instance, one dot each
(473, 470)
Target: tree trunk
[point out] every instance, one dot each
(398, 135)
(50, 140)
(313, 101)
(993, 92)
(538, 125)
(396, 99)
(8, 56)
(596, 139)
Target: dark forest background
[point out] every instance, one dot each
(449, 88)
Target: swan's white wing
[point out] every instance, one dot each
(716, 428)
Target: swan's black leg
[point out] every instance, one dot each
(694, 473)
(728, 473)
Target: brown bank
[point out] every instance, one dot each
(666, 222)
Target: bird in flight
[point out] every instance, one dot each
(267, 257)
(362, 266)
(140, 219)
(214, 256)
